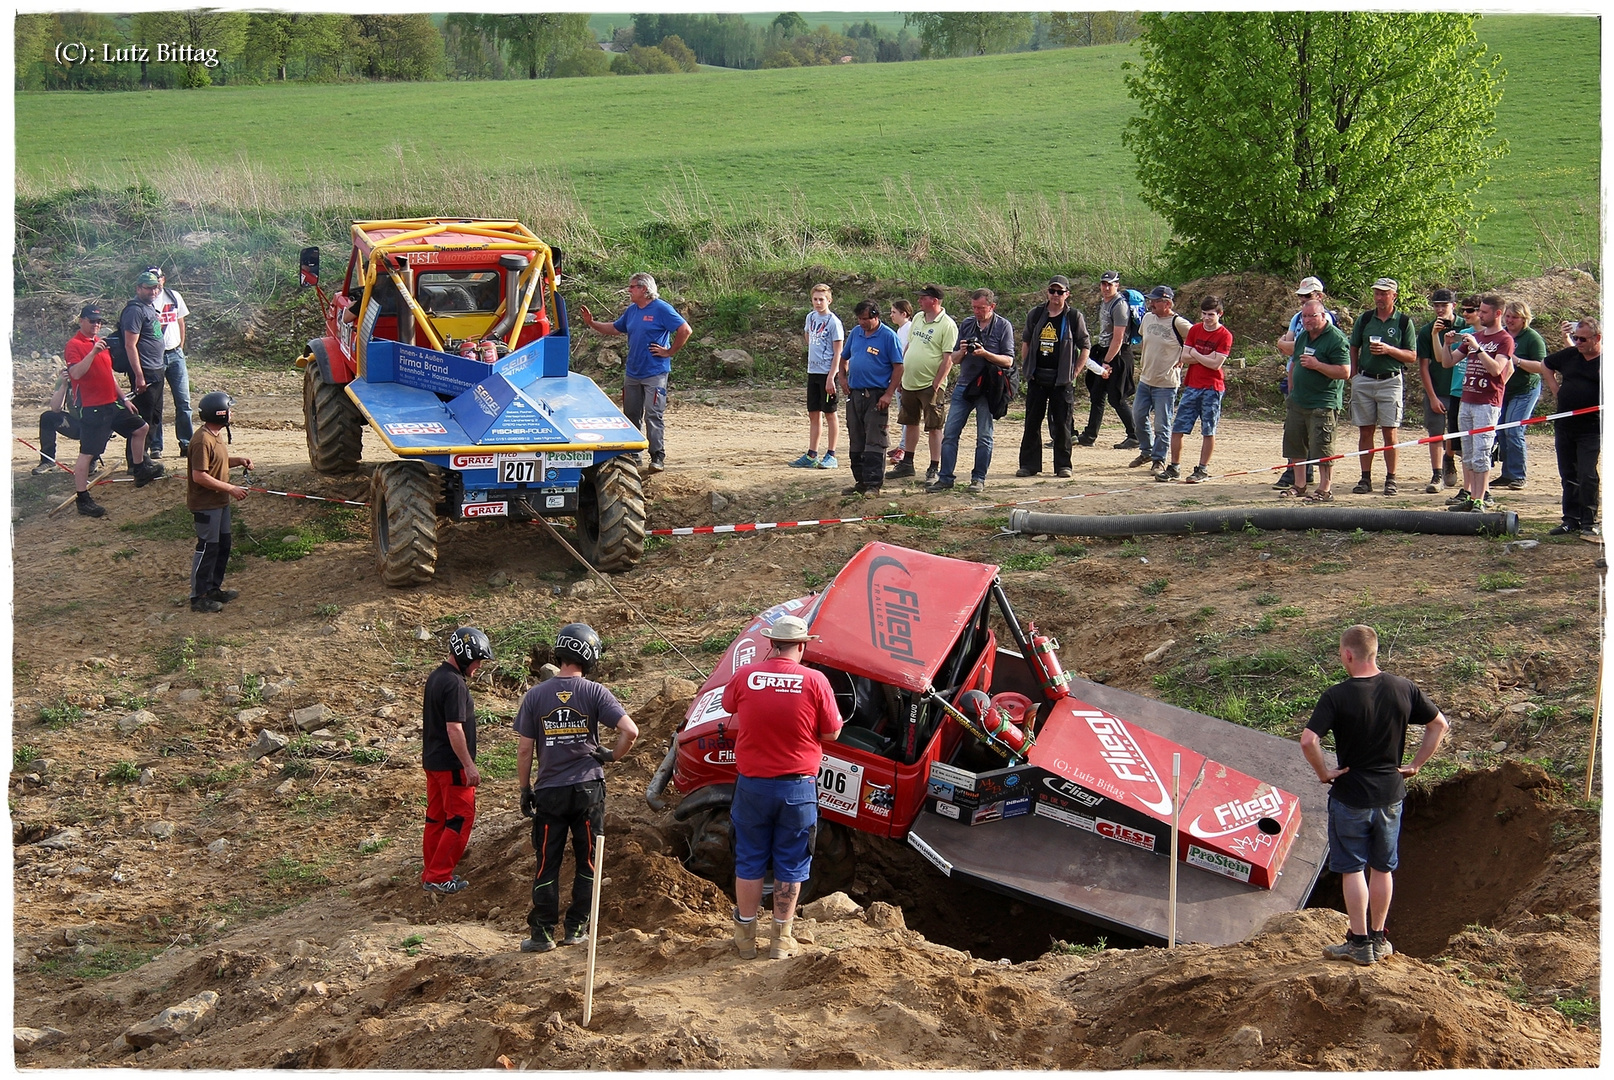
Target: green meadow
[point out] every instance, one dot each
(838, 144)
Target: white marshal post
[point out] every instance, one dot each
(594, 927)
(1171, 891)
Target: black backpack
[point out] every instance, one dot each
(115, 346)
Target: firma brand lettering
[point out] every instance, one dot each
(893, 614)
(782, 681)
(1125, 759)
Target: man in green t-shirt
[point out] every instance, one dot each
(1436, 379)
(932, 335)
(1382, 344)
(1322, 364)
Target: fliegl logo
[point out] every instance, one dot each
(1126, 760)
(893, 610)
(1237, 814)
(1071, 791)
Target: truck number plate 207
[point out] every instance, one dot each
(518, 472)
(840, 785)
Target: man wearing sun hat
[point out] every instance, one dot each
(783, 712)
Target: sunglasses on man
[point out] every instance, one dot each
(1579, 340)
(1057, 292)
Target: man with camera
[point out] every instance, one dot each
(985, 341)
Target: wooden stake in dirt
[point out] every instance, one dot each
(96, 479)
(1171, 891)
(593, 927)
(1597, 700)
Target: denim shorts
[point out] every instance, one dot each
(774, 821)
(1198, 403)
(1358, 838)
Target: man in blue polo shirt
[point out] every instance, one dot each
(655, 332)
(868, 371)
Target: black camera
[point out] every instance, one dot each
(969, 345)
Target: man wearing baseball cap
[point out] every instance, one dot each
(171, 313)
(1436, 379)
(1382, 345)
(1109, 372)
(142, 332)
(1310, 288)
(783, 712)
(1053, 348)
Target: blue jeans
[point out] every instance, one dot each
(958, 413)
(1517, 407)
(180, 383)
(1151, 415)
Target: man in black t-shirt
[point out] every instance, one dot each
(1368, 714)
(142, 332)
(448, 753)
(559, 724)
(1575, 377)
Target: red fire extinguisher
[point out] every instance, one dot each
(1043, 654)
(1004, 720)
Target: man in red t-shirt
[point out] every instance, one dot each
(783, 712)
(1204, 350)
(103, 410)
(1489, 355)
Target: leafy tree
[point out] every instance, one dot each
(533, 42)
(652, 61)
(789, 24)
(622, 64)
(224, 32)
(968, 33)
(681, 54)
(587, 60)
(34, 35)
(1091, 27)
(398, 47)
(1344, 143)
(275, 38)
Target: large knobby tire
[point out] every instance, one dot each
(332, 422)
(711, 846)
(610, 515)
(403, 520)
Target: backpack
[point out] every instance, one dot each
(1134, 316)
(115, 348)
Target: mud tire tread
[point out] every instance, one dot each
(403, 522)
(334, 427)
(611, 515)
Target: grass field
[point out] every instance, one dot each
(830, 142)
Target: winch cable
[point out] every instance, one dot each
(561, 540)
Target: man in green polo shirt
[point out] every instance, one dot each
(1382, 345)
(1316, 393)
(1436, 378)
(933, 335)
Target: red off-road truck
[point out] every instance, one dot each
(1076, 800)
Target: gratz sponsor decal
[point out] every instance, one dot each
(785, 682)
(1126, 760)
(416, 428)
(486, 509)
(471, 461)
(1116, 831)
(893, 610)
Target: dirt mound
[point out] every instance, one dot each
(1258, 306)
(1558, 294)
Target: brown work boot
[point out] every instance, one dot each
(745, 937)
(784, 944)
